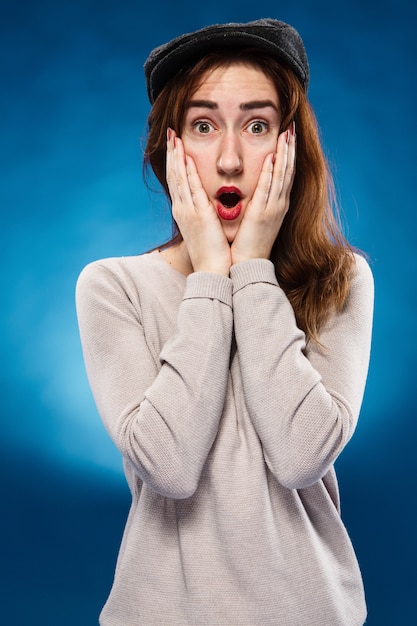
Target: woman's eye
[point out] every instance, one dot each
(203, 127)
(256, 128)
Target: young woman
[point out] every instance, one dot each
(229, 366)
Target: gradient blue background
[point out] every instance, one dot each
(73, 112)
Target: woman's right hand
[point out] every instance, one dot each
(193, 212)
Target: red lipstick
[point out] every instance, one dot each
(229, 203)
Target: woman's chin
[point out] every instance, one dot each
(230, 231)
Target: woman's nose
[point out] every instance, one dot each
(230, 158)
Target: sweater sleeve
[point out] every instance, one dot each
(162, 416)
(303, 402)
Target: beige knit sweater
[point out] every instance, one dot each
(229, 427)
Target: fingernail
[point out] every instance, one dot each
(287, 136)
(292, 128)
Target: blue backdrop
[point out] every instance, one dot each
(73, 112)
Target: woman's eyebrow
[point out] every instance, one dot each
(258, 104)
(202, 104)
(245, 106)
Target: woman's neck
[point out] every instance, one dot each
(177, 256)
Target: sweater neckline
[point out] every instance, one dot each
(160, 259)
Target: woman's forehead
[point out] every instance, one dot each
(236, 77)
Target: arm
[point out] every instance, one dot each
(304, 403)
(163, 416)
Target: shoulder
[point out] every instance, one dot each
(116, 270)
(355, 318)
(140, 282)
(362, 273)
(117, 266)
(360, 300)
(113, 286)
(116, 280)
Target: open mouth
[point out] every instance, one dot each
(229, 203)
(229, 199)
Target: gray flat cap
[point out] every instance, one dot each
(277, 38)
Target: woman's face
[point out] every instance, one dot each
(231, 124)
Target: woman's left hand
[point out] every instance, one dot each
(270, 202)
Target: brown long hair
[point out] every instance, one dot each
(313, 261)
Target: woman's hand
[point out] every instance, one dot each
(270, 202)
(194, 214)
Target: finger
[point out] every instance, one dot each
(291, 161)
(171, 175)
(198, 194)
(280, 166)
(284, 170)
(181, 178)
(176, 172)
(263, 188)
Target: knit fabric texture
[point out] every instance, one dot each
(229, 427)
